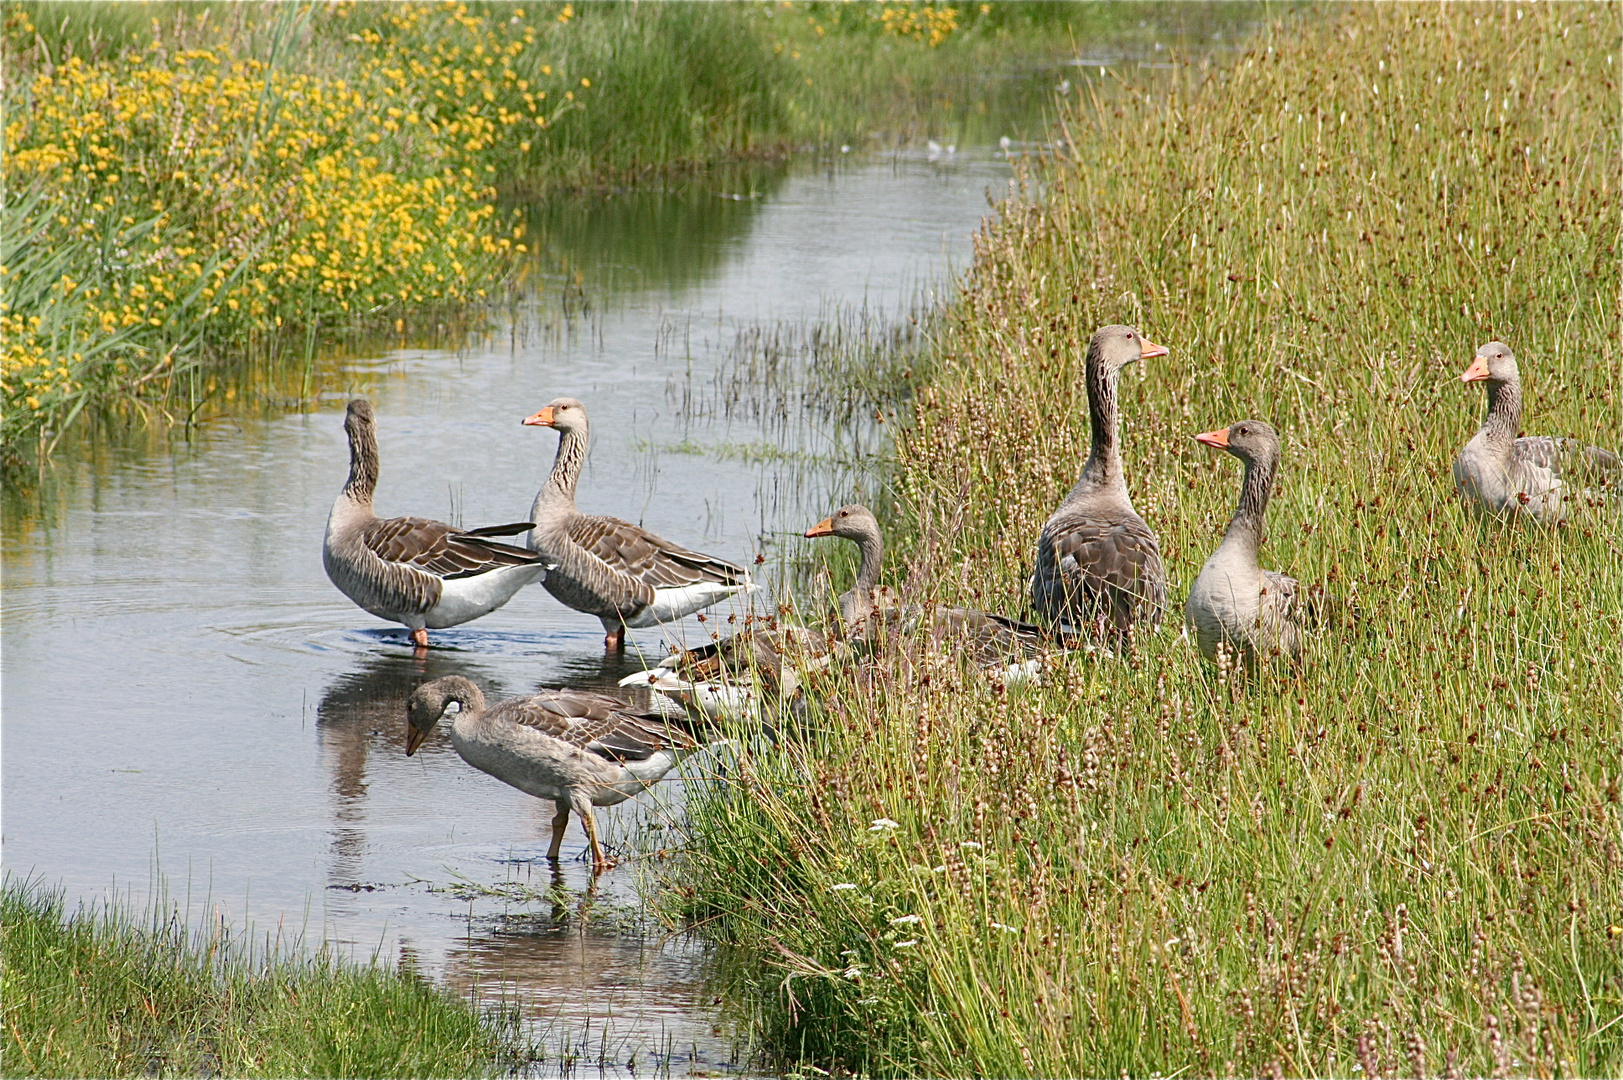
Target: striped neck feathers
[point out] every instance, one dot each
(363, 462)
(1246, 525)
(566, 468)
(1103, 467)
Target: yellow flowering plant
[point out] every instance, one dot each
(199, 196)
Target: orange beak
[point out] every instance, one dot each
(540, 419)
(414, 739)
(1478, 370)
(1149, 348)
(1218, 438)
(822, 528)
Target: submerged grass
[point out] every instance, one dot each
(1401, 859)
(100, 993)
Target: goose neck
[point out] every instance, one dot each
(872, 547)
(1103, 467)
(1504, 413)
(858, 604)
(363, 464)
(559, 490)
(1246, 526)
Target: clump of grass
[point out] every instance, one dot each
(99, 993)
(1401, 859)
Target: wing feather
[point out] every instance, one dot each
(600, 724)
(650, 559)
(439, 548)
(1091, 568)
(1570, 459)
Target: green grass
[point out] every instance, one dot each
(1402, 858)
(104, 993)
(197, 188)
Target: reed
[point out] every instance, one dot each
(1401, 858)
(107, 992)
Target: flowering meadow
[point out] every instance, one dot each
(184, 189)
(181, 197)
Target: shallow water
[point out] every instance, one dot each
(191, 707)
(184, 690)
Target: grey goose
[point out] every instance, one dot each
(421, 573)
(1235, 607)
(620, 572)
(1532, 477)
(1098, 564)
(577, 748)
(1002, 647)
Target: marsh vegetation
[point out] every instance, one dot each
(196, 185)
(1400, 858)
(111, 992)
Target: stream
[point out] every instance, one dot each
(193, 712)
(191, 707)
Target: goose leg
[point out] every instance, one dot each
(419, 637)
(600, 861)
(614, 637)
(560, 821)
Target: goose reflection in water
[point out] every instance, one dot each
(604, 987)
(362, 710)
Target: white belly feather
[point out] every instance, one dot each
(465, 598)
(674, 603)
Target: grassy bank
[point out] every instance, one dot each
(103, 994)
(1402, 860)
(192, 184)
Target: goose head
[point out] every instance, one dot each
(429, 702)
(358, 417)
(562, 414)
(1252, 441)
(853, 522)
(1114, 347)
(1494, 363)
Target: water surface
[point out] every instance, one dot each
(188, 703)
(184, 690)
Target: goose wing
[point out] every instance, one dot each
(996, 636)
(597, 723)
(441, 549)
(1282, 608)
(1570, 459)
(650, 559)
(1105, 566)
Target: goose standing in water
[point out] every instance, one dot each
(1235, 605)
(1500, 475)
(421, 573)
(1001, 646)
(620, 572)
(1098, 564)
(574, 747)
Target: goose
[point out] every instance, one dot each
(620, 572)
(1235, 606)
(1098, 564)
(1000, 646)
(579, 749)
(726, 679)
(1499, 475)
(421, 573)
